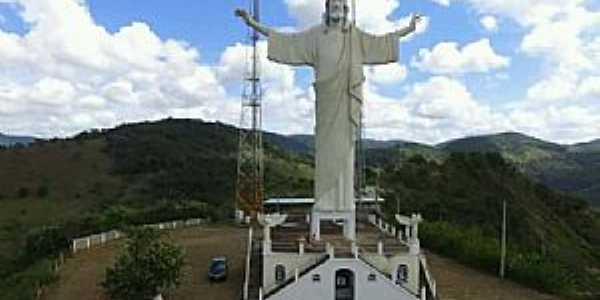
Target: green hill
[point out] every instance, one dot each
(147, 172)
(461, 198)
(140, 172)
(569, 168)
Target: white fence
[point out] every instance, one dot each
(104, 237)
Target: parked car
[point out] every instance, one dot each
(218, 269)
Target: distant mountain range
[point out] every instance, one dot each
(7, 140)
(569, 168)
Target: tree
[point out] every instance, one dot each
(147, 267)
(46, 241)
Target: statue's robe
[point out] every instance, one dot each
(337, 57)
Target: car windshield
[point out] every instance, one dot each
(217, 266)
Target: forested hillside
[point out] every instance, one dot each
(147, 172)
(553, 238)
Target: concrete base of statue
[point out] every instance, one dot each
(348, 219)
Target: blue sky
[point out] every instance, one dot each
(474, 67)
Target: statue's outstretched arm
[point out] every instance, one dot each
(249, 20)
(415, 19)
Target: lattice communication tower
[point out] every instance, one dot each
(250, 165)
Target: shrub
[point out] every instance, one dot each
(147, 268)
(23, 192)
(469, 246)
(42, 191)
(45, 242)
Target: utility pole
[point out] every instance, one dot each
(503, 246)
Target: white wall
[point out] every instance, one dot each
(291, 261)
(380, 289)
(389, 265)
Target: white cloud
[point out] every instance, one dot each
(590, 87)
(490, 23)
(558, 86)
(387, 74)
(67, 73)
(525, 12)
(432, 111)
(442, 2)
(286, 107)
(447, 58)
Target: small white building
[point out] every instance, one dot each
(383, 261)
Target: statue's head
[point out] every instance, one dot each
(336, 11)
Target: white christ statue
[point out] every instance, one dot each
(337, 51)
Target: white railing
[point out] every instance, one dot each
(90, 241)
(430, 281)
(390, 230)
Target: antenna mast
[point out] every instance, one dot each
(250, 166)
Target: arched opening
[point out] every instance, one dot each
(279, 273)
(344, 284)
(401, 274)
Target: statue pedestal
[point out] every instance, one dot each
(348, 218)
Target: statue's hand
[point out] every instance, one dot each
(242, 14)
(416, 18)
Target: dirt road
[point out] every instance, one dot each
(81, 275)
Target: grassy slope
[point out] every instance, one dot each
(75, 175)
(138, 166)
(467, 190)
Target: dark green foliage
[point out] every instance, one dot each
(176, 159)
(466, 191)
(147, 267)
(471, 247)
(190, 159)
(22, 192)
(42, 191)
(22, 285)
(46, 241)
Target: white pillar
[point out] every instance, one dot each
(267, 250)
(330, 250)
(296, 275)
(380, 248)
(315, 226)
(267, 233)
(350, 226)
(301, 248)
(423, 293)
